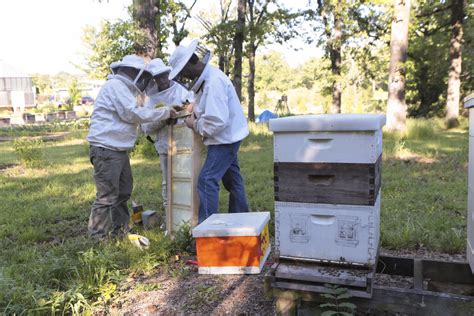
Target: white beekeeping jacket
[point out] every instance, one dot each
(116, 116)
(174, 95)
(220, 119)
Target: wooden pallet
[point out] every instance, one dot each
(424, 298)
(312, 277)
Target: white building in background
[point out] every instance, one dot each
(16, 88)
(87, 88)
(91, 88)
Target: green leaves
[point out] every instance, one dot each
(335, 306)
(109, 43)
(347, 305)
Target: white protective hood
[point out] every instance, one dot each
(136, 62)
(180, 58)
(157, 67)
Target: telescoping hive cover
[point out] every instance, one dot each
(232, 224)
(328, 122)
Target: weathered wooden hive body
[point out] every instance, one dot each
(327, 171)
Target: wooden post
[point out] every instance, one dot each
(285, 306)
(195, 171)
(418, 274)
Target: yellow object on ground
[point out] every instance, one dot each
(139, 241)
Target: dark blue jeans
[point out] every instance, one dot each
(221, 164)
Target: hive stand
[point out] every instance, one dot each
(438, 288)
(313, 277)
(184, 166)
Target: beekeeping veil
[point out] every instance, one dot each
(133, 69)
(193, 53)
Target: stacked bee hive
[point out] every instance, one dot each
(327, 173)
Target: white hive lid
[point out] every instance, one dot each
(328, 122)
(469, 101)
(232, 224)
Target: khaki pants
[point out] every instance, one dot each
(114, 184)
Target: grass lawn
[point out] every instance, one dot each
(48, 264)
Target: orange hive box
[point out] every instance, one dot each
(234, 243)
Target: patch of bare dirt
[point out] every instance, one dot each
(193, 294)
(409, 158)
(182, 291)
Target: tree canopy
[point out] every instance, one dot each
(350, 73)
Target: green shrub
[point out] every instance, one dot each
(144, 148)
(47, 108)
(183, 238)
(29, 151)
(74, 95)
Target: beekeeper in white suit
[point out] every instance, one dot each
(219, 119)
(163, 92)
(113, 132)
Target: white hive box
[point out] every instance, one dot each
(233, 243)
(332, 138)
(469, 104)
(339, 233)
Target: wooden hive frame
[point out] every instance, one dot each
(185, 145)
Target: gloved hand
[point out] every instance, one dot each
(173, 112)
(188, 106)
(190, 121)
(171, 120)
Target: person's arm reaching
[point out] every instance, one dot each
(128, 111)
(152, 127)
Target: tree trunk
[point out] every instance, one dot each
(145, 13)
(251, 87)
(396, 107)
(455, 63)
(335, 52)
(222, 63)
(238, 46)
